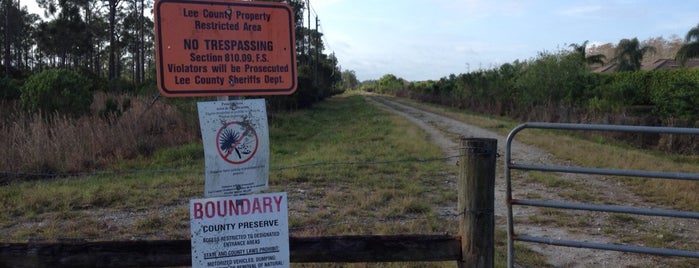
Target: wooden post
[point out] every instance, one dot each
(476, 202)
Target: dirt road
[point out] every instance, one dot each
(571, 225)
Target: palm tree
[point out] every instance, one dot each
(629, 54)
(691, 48)
(589, 60)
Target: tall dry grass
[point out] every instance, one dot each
(32, 145)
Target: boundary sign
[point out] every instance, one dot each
(224, 48)
(243, 231)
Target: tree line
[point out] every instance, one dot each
(109, 46)
(560, 86)
(111, 39)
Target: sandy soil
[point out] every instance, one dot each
(599, 227)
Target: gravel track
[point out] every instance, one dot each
(596, 226)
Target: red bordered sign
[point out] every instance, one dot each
(224, 48)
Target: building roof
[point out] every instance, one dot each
(657, 65)
(606, 68)
(661, 64)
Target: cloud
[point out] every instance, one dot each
(418, 39)
(580, 11)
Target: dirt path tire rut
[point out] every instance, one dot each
(579, 226)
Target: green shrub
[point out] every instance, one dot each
(99, 82)
(148, 88)
(675, 93)
(389, 83)
(57, 90)
(9, 89)
(112, 109)
(553, 78)
(670, 93)
(616, 91)
(121, 85)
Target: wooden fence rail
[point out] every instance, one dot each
(164, 253)
(473, 247)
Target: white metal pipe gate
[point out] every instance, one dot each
(509, 166)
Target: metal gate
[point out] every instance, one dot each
(509, 166)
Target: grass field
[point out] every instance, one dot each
(348, 168)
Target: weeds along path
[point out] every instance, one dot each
(559, 224)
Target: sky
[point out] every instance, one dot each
(431, 39)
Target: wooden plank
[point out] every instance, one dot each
(97, 254)
(163, 253)
(401, 248)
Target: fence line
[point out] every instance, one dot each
(40, 175)
(165, 253)
(387, 220)
(473, 247)
(448, 218)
